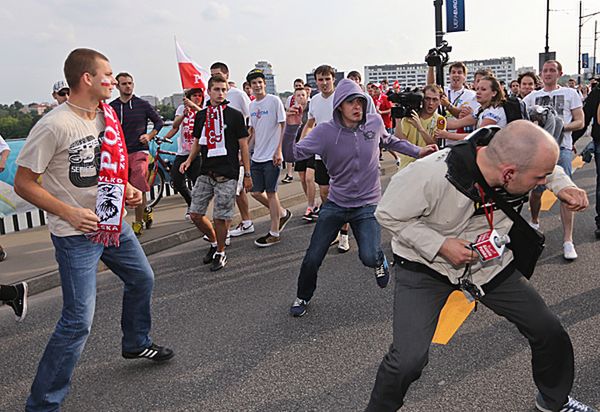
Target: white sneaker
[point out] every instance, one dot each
(569, 252)
(536, 226)
(227, 239)
(344, 244)
(242, 230)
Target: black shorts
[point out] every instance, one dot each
(321, 175)
(302, 165)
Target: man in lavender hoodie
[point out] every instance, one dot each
(349, 147)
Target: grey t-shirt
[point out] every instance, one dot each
(65, 149)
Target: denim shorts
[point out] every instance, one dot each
(265, 177)
(565, 160)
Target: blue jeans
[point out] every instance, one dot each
(77, 259)
(331, 219)
(597, 161)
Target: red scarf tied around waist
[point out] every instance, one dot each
(112, 181)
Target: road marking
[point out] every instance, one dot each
(548, 198)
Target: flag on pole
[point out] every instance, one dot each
(192, 75)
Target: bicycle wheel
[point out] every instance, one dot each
(156, 179)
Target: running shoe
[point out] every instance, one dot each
(382, 273)
(227, 239)
(569, 252)
(148, 217)
(19, 304)
(209, 255)
(242, 230)
(138, 228)
(572, 405)
(298, 308)
(153, 352)
(344, 244)
(308, 216)
(287, 179)
(219, 261)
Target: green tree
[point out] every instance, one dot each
(166, 111)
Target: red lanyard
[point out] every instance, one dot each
(489, 214)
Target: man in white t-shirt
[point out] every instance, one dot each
(267, 119)
(239, 100)
(64, 147)
(458, 101)
(568, 106)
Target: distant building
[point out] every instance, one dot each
(174, 100)
(415, 74)
(153, 100)
(310, 79)
(36, 108)
(267, 69)
(526, 69)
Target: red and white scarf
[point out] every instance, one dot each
(213, 132)
(188, 128)
(112, 181)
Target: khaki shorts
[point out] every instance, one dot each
(207, 188)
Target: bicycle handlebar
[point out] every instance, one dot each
(160, 140)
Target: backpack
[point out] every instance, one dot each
(514, 109)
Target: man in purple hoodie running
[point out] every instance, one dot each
(349, 147)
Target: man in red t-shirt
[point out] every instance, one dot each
(384, 108)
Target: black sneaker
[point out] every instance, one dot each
(218, 262)
(287, 179)
(382, 273)
(285, 219)
(267, 240)
(19, 304)
(298, 307)
(2, 254)
(572, 405)
(209, 255)
(152, 352)
(308, 216)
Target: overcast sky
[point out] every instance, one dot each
(294, 35)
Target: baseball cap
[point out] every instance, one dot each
(254, 74)
(59, 85)
(354, 96)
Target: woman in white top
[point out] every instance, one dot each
(490, 95)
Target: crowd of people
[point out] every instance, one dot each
(93, 159)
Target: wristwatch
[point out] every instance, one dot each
(246, 174)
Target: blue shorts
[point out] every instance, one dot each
(565, 160)
(265, 177)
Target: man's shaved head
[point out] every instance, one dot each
(523, 144)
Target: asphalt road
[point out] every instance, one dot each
(237, 349)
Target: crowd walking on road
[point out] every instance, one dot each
(469, 156)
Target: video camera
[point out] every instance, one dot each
(406, 101)
(438, 56)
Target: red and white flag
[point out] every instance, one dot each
(192, 75)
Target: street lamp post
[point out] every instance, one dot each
(439, 37)
(581, 23)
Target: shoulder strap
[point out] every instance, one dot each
(502, 204)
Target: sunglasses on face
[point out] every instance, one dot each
(63, 93)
